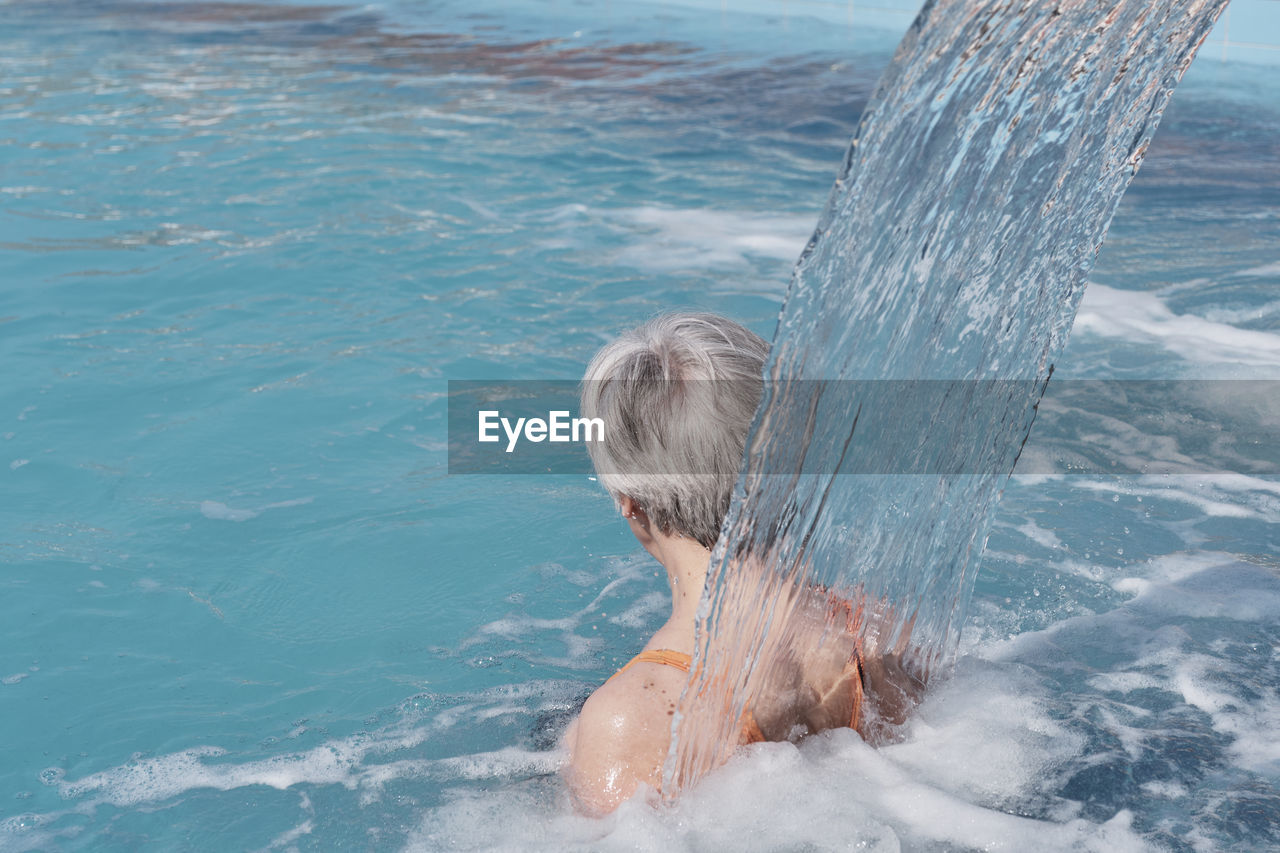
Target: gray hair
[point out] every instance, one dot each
(677, 396)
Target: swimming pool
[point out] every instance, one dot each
(245, 607)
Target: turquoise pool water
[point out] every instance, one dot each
(244, 607)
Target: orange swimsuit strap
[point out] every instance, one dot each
(666, 657)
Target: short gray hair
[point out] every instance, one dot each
(677, 396)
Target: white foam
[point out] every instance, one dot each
(1123, 682)
(979, 746)
(1140, 316)
(832, 792)
(289, 838)
(984, 744)
(1251, 724)
(666, 239)
(24, 832)
(1260, 271)
(1151, 648)
(1263, 313)
(642, 613)
(1040, 535)
(578, 631)
(1180, 585)
(289, 503)
(1001, 711)
(219, 511)
(349, 762)
(1215, 495)
(1165, 790)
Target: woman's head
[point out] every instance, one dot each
(676, 396)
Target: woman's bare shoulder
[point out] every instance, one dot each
(620, 739)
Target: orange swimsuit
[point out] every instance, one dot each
(666, 657)
(751, 732)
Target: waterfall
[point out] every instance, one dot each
(952, 255)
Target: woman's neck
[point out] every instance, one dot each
(686, 563)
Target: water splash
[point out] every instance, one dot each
(968, 211)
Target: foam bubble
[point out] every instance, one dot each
(1260, 271)
(289, 838)
(642, 612)
(1142, 317)
(148, 780)
(221, 512)
(26, 832)
(1215, 495)
(1039, 535)
(1000, 711)
(672, 239)
(288, 503)
(530, 637)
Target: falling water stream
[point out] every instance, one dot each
(955, 244)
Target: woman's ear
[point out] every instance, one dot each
(631, 510)
(638, 520)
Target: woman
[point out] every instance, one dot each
(677, 396)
